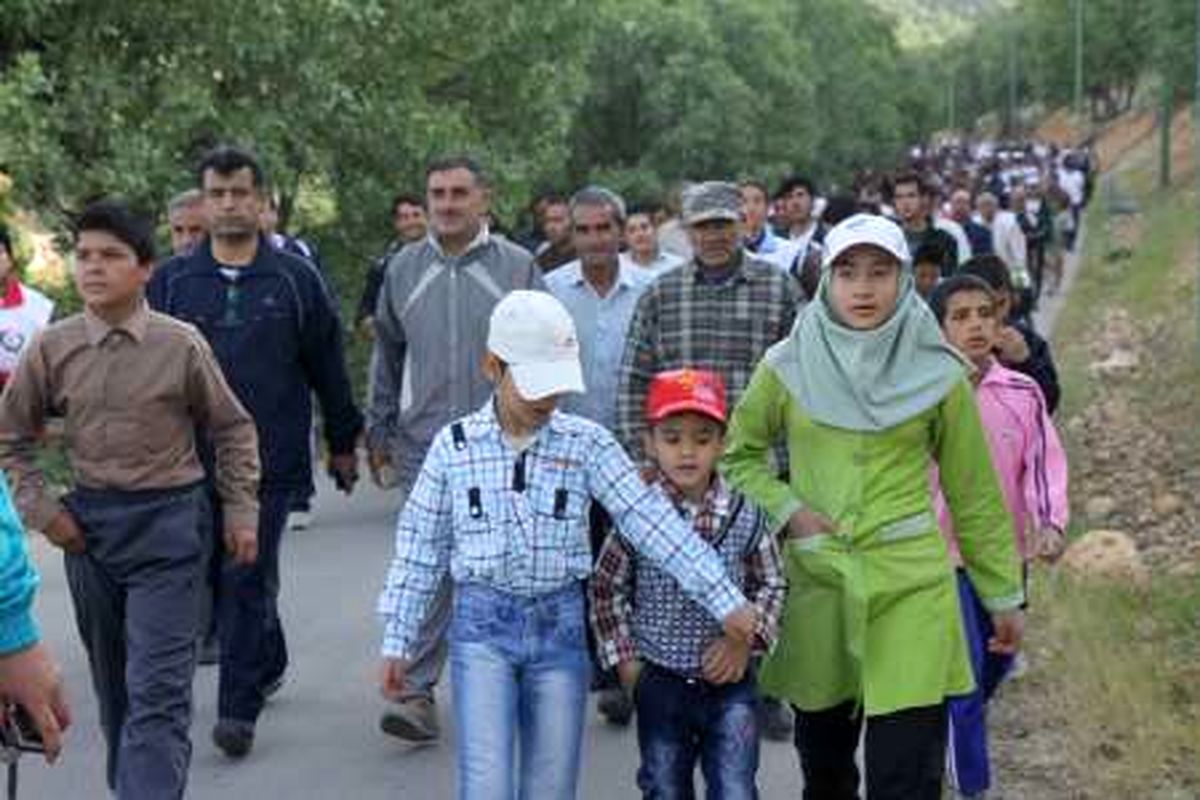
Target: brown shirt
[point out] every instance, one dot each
(132, 396)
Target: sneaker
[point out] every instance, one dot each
(774, 720)
(299, 520)
(413, 720)
(615, 706)
(234, 736)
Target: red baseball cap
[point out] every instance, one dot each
(683, 390)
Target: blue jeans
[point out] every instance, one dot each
(682, 721)
(519, 671)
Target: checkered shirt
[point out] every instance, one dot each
(468, 514)
(682, 321)
(639, 612)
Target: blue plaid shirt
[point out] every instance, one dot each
(518, 522)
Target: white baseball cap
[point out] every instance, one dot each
(869, 229)
(534, 334)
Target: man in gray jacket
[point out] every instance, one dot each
(430, 337)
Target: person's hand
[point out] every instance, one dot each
(1011, 345)
(383, 472)
(366, 328)
(393, 677)
(805, 523)
(1049, 544)
(742, 623)
(1009, 630)
(725, 661)
(343, 468)
(30, 679)
(241, 542)
(628, 673)
(64, 533)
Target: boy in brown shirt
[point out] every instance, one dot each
(133, 386)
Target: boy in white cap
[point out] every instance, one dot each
(501, 504)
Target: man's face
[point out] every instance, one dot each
(986, 205)
(960, 205)
(233, 205)
(410, 222)
(108, 274)
(189, 226)
(556, 223)
(528, 415)
(640, 235)
(797, 206)
(457, 203)
(970, 324)
(715, 242)
(6, 263)
(596, 235)
(907, 201)
(754, 210)
(1017, 197)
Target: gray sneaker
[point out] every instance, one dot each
(413, 720)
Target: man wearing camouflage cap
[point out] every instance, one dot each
(720, 311)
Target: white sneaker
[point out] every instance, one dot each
(299, 520)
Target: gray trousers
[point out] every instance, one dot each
(135, 590)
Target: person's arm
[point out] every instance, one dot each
(23, 409)
(235, 444)
(756, 425)
(610, 590)
(1039, 366)
(370, 293)
(639, 363)
(18, 581)
(322, 352)
(644, 516)
(981, 520)
(386, 374)
(424, 538)
(1045, 471)
(766, 586)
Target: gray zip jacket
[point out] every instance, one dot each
(431, 328)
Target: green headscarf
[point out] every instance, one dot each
(866, 380)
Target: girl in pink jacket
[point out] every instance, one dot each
(1032, 468)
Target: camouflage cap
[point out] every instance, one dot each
(711, 200)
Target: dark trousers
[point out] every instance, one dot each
(211, 538)
(905, 753)
(682, 721)
(253, 648)
(135, 590)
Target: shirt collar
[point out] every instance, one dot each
(134, 326)
(715, 500)
(482, 238)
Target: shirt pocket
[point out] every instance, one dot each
(561, 514)
(479, 533)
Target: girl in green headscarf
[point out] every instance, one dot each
(864, 393)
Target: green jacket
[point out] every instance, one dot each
(872, 611)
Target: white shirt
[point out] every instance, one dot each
(1008, 240)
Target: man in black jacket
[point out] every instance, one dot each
(919, 229)
(276, 333)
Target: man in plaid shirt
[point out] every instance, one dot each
(719, 312)
(696, 698)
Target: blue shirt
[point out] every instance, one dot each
(469, 515)
(602, 326)
(18, 581)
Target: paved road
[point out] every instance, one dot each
(318, 737)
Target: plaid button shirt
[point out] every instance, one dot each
(618, 576)
(518, 522)
(684, 321)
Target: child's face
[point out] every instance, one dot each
(970, 324)
(926, 275)
(686, 448)
(516, 413)
(107, 272)
(865, 282)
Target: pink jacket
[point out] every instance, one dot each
(1027, 453)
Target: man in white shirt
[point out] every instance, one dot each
(1008, 240)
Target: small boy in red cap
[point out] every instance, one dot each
(694, 688)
